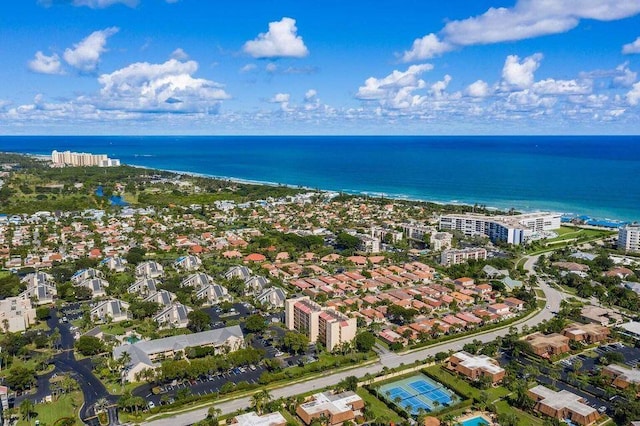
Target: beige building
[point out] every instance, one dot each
(546, 345)
(319, 324)
(622, 376)
(562, 405)
(454, 257)
(476, 366)
(335, 408)
(252, 419)
(16, 314)
(629, 238)
(587, 333)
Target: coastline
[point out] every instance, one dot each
(612, 221)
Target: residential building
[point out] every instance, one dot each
(241, 272)
(416, 231)
(631, 329)
(197, 280)
(273, 297)
(253, 419)
(148, 354)
(386, 234)
(622, 376)
(144, 287)
(440, 241)
(82, 159)
(599, 315)
(39, 291)
(116, 264)
(476, 366)
(161, 297)
(335, 408)
(85, 274)
(113, 310)
(255, 284)
(547, 345)
(587, 333)
(454, 256)
(173, 316)
(16, 314)
(149, 269)
(213, 294)
(562, 405)
(325, 325)
(368, 243)
(629, 238)
(516, 229)
(187, 263)
(97, 286)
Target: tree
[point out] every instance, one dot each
(295, 342)
(21, 377)
(255, 324)
(198, 321)
(365, 341)
(346, 241)
(260, 399)
(349, 383)
(43, 313)
(135, 255)
(89, 345)
(26, 409)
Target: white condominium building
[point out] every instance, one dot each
(454, 257)
(629, 238)
(516, 229)
(68, 158)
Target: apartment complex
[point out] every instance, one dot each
(587, 333)
(253, 419)
(629, 238)
(516, 229)
(546, 345)
(82, 159)
(16, 314)
(622, 376)
(454, 257)
(476, 366)
(335, 408)
(319, 324)
(562, 405)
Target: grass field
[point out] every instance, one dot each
(379, 408)
(67, 406)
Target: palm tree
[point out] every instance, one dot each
(26, 408)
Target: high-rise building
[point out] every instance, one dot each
(319, 324)
(82, 159)
(517, 229)
(629, 238)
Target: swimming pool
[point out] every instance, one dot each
(475, 421)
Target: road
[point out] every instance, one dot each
(390, 359)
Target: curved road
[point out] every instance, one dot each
(554, 297)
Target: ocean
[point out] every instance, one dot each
(598, 176)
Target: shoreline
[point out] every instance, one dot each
(361, 193)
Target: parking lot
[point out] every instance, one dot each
(589, 363)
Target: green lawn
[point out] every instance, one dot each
(462, 386)
(66, 406)
(524, 419)
(379, 408)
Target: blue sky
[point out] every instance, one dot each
(330, 67)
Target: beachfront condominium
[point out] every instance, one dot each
(516, 229)
(319, 324)
(82, 159)
(629, 238)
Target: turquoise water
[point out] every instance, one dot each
(594, 175)
(475, 421)
(418, 392)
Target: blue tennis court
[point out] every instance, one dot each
(418, 393)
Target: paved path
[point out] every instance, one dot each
(554, 297)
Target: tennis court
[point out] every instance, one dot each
(418, 392)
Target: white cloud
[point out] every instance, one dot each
(520, 75)
(179, 54)
(633, 96)
(283, 100)
(633, 47)
(311, 101)
(626, 77)
(396, 89)
(271, 67)
(562, 87)
(425, 48)
(101, 4)
(44, 64)
(310, 95)
(438, 88)
(85, 55)
(478, 89)
(160, 87)
(281, 41)
(526, 19)
(248, 68)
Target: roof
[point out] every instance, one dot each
(252, 419)
(561, 400)
(335, 404)
(632, 327)
(482, 362)
(140, 351)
